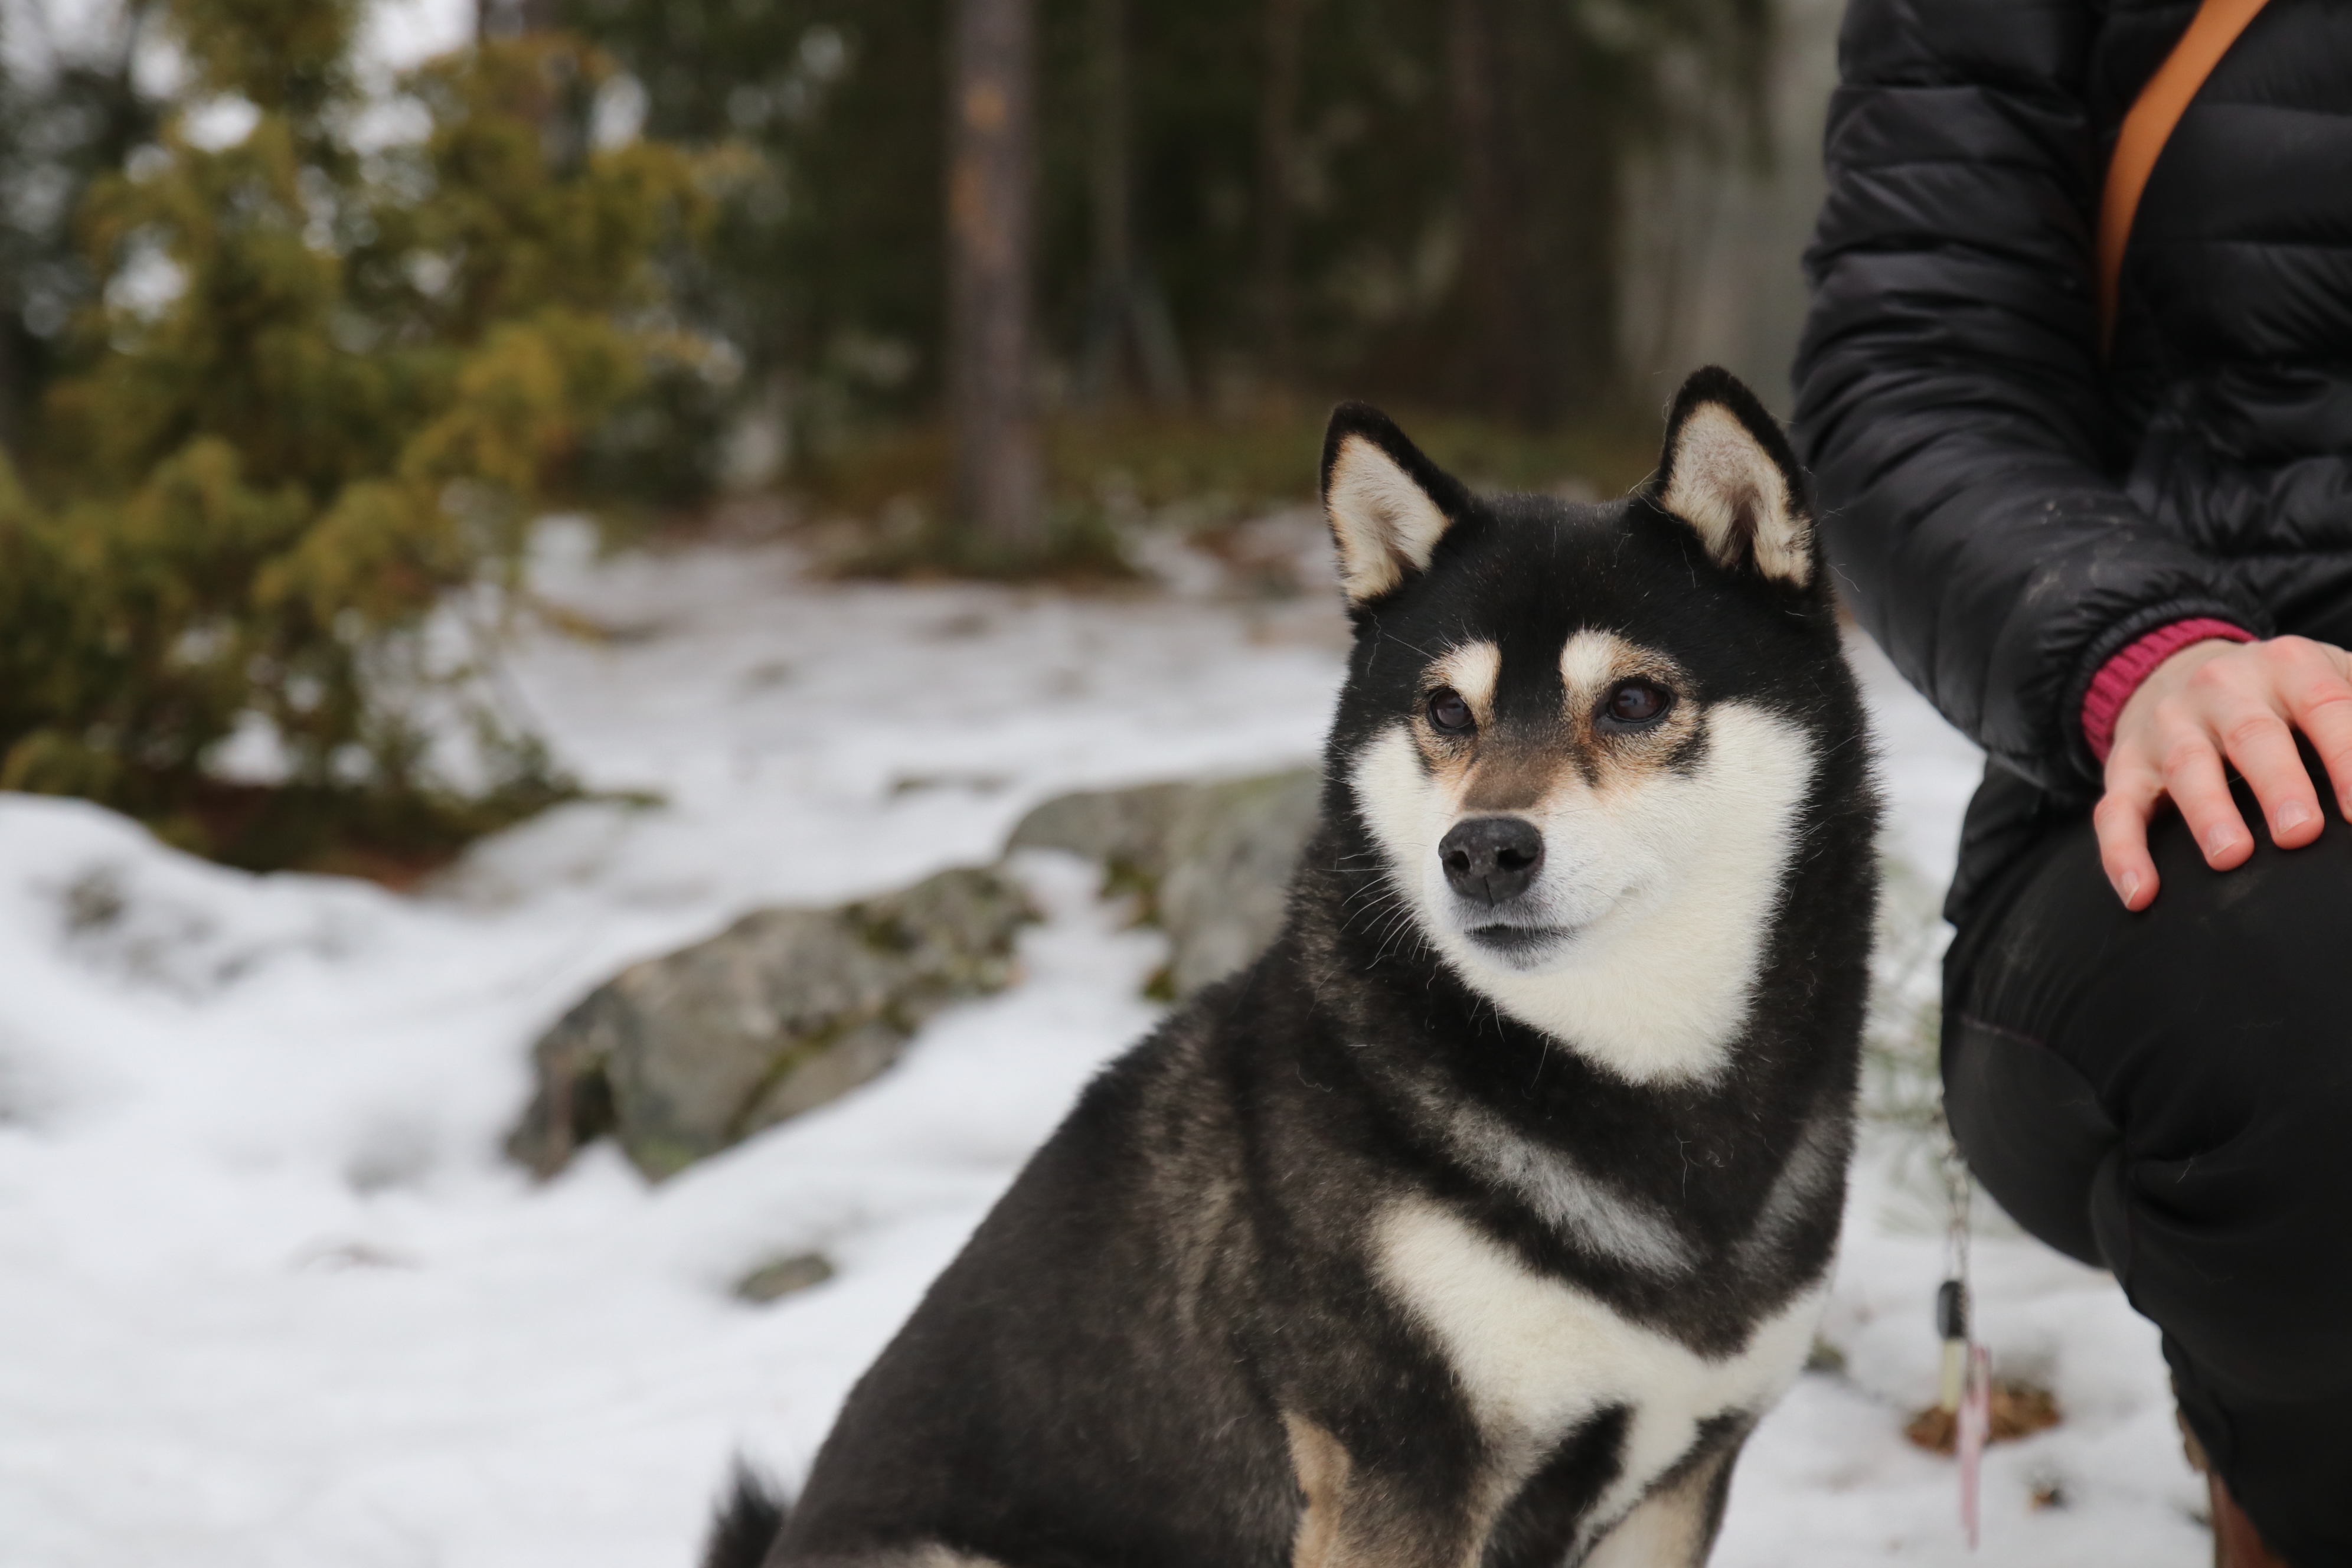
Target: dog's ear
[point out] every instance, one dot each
(1387, 504)
(1729, 472)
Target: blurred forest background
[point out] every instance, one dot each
(294, 347)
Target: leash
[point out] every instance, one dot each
(2146, 130)
(1966, 1388)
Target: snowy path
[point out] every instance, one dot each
(269, 1296)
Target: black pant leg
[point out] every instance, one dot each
(2170, 1094)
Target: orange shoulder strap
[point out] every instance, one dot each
(2148, 126)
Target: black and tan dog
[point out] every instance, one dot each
(1478, 1221)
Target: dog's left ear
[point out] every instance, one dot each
(1729, 472)
(1387, 505)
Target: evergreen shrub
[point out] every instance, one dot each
(281, 493)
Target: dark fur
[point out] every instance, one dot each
(746, 1523)
(1099, 1378)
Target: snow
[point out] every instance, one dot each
(274, 1297)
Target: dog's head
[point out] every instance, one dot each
(1580, 736)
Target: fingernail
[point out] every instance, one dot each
(2292, 814)
(2218, 841)
(2131, 886)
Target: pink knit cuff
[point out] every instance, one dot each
(2120, 676)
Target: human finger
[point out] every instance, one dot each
(2193, 778)
(2262, 746)
(2316, 682)
(2121, 820)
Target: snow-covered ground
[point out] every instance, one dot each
(270, 1295)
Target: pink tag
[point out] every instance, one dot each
(1975, 1423)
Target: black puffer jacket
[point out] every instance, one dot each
(2005, 512)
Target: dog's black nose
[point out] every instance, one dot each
(1491, 859)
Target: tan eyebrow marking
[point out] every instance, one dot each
(1588, 662)
(1471, 670)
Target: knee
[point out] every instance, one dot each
(2184, 1122)
(2232, 1238)
(2032, 1129)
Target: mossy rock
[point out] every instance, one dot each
(1211, 861)
(681, 1056)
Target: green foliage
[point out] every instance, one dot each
(317, 395)
(880, 497)
(827, 266)
(824, 264)
(289, 57)
(65, 121)
(1231, 466)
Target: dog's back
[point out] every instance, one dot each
(1479, 1220)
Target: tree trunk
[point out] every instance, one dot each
(1127, 321)
(1506, 308)
(1278, 161)
(998, 497)
(11, 373)
(512, 18)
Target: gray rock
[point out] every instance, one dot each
(1129, 830)
(681, 1056)
(1211, 861)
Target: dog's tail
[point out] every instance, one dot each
(745, 1524)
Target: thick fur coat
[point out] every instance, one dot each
(1478, 1222)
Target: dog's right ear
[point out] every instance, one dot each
(1387, 504)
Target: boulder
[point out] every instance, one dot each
(679, 1057)
(682, 1055)
(1213, 862)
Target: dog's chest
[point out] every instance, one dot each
(1536, 1356)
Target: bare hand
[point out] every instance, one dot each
(2211, 700)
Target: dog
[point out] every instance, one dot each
(1475, 1224)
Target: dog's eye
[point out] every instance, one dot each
(1448, 714)
(1634, 703)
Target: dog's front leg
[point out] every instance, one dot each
(1356, 1516)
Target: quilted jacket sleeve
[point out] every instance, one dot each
(1949, 396)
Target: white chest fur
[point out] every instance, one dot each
(1536, 1356)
